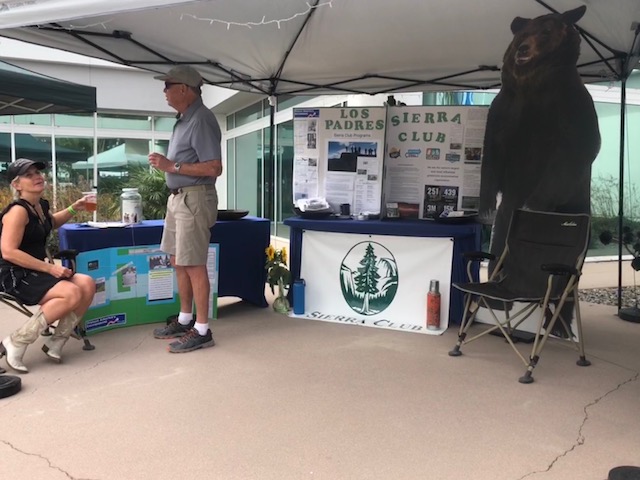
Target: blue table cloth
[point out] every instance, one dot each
(241, 271)
(466, 238)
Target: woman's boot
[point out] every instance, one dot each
(53, 346)
(16, 344)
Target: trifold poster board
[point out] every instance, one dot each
(375, 280)
(410, 162)
(136, 285)
(338, 156)
(433, 159)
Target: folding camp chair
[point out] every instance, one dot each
(69, 258)
(539, 269)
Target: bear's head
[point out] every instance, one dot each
(543, 42)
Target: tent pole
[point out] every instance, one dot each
(54, 162)
(95, 158)
(623, 99)
(270, 170)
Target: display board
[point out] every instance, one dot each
(338, 155)
(432, 160)
(375, 280)
(136, 285)
(409, 162)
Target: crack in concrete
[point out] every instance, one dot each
(49, 463)
(580, 440)
(104, 360)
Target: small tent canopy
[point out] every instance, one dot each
(25, 92)
(132, 152)
(322, 46)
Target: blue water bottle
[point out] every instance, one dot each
(298, 296)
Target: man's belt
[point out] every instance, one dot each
(191, 188)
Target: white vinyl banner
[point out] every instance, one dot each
(375, 280)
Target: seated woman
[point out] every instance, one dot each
(24, 273)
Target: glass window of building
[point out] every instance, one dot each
(164, 124)
(249, 173)
(284, 177)
(78, 120)
(35, 119)
(121, 121)
(249, 114)
(229, 166)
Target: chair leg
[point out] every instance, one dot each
(80, 332)
(467, 320)
(582, 360)
(528, 375)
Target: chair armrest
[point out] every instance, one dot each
(559, 269)
(478, 256)
(66, 254)
(68, 257)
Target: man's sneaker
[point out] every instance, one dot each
(192, 340)
(173, 329)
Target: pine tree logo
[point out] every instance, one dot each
(369, 278)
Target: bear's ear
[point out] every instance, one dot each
(571, 17)
(518, 24)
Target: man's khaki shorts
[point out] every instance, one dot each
(190, 216)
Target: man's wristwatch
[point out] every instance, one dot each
(177, 166)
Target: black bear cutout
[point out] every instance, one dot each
(542, 130)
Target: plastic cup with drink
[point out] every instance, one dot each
(91, 200)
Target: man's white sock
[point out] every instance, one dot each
(185, 318)
(202, 328)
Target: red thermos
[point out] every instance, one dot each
(433, 306)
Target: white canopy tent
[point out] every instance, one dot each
(311, 47)
(320, 46)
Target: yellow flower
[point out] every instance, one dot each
(276, 267)
(270, 251)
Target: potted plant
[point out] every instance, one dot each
(278, 274)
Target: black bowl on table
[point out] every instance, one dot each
(232, 214)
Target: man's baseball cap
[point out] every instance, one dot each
(182, 74)
(21, 165)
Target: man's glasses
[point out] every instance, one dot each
(168, 85)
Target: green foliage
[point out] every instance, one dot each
(605, 198)
(153, 189)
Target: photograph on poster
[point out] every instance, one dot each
(129, 276)
(311, 141)
(343, 156)
(472, 154)
(159, 261)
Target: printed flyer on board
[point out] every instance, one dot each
(338, 156)
(433, 160)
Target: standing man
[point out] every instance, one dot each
(192, 164)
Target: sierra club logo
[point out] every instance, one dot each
(369, 278)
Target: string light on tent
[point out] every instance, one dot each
(102, 24)
(264, 20)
